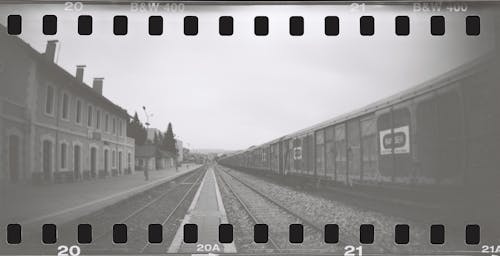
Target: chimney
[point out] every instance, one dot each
(79, 73)
(97, 85)
(50, 50)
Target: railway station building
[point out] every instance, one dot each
(53, 126)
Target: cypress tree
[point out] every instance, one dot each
(136, 130)
(169, 141)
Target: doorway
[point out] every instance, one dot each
(93, 162)
(120, 162)
(77, 151)
(14, 158)
(47, 159)
(106, 161)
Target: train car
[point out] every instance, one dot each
(444, 133)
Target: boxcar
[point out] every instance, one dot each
(443, 133)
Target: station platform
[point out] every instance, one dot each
(207, 212)
(32, 205)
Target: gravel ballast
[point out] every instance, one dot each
(323, 211)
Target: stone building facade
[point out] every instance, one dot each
(54, 127)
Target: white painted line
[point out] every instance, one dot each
(67, 210)
(228, 248)
(179, 235)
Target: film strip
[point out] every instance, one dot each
(261, 24)
(249, 128)
(261, 233)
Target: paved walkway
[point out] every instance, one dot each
(207, 211)
(32, 205)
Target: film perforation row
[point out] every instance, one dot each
(261, 25)
(261, 233)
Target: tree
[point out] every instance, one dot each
(136, 130)
(160, 139)
(156, 141)
(169, 141)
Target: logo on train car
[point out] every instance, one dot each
(397, 141)
(297, 153)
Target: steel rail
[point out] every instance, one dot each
(183, 199)
(247, 210)
(309, 223)
(144, 207)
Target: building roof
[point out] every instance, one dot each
(73, 82)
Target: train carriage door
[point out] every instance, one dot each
(341, 153)
(394, 144)
(386, 163)
(482, 125)
(320, 153)
(303, 160)
(290, 159)
(286, 156)
(353, 150)
(297, 154)
(280, 159)
(273, 158)
(450, 139)
(308, 154)
(401, 144)
(369, 149)
(330, 152)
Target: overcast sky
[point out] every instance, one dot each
(243, 90)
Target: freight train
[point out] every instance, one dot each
(443, 134)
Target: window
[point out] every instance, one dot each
(89, 116)
(49, 100)
(114, 125)
(113, 159)
(78, 113)
(65, 106)
(120, 129)
(64, 154)
(106, 123)
(98, 119)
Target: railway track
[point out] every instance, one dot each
(346, 238)
(169, 218)
(264, 209)
(413, 213)
(272, 244)
(160, 208)
(162, 204)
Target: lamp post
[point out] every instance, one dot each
(146, 173)
(147, 116)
